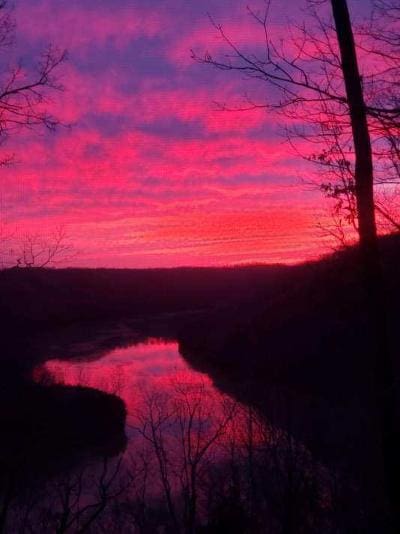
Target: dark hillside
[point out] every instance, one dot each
(303, 357)
(290, 340)
(51, 296)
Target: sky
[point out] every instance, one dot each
(148, 172)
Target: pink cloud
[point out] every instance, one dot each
(75, 27)
(133, 194)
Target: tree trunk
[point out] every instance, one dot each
(381, 364)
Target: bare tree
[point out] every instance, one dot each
(6, 239)
(35, 250)
(218, 462)
(71, 502)
(307, 87)
(316, 81)
(183, 431)
(197, 459)
(25, 89)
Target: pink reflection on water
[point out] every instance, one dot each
(153, 366)
(180, 427)
(160, 388)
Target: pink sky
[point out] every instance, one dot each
(150, 173)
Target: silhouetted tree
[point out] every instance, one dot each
(32, 249)
(198, 462)
(35, 250)
(316, 81)
(364, 182)
(25, 89)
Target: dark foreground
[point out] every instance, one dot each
(289, 342)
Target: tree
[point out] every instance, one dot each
(35, 250)
(364, 192)
(317, 82)
(307, 87)
(30, 249)
(25, 89)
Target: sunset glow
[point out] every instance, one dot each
(149, 172)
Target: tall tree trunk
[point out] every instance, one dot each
(381, 364)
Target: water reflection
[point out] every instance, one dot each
(196, 457)
(133, 372)
(144, 361)
(150, 376)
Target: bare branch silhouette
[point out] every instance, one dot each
(38, 251)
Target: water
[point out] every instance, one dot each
(194, 455)
(151, 376)
(122, 371)
(134, 373)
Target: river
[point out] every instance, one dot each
(195, 456)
